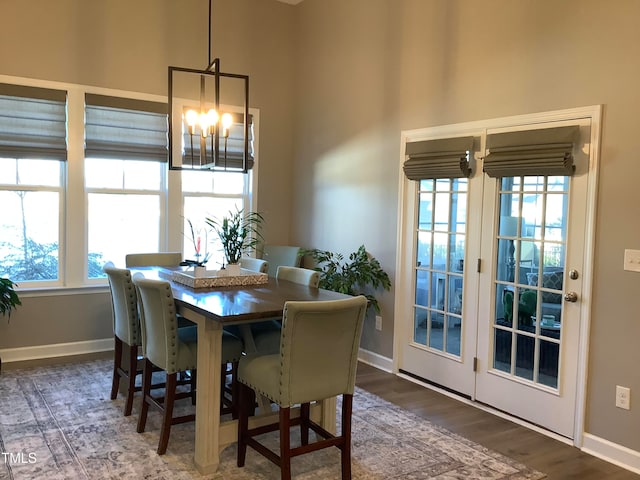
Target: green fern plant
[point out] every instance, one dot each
(361, 274)
(239, 233)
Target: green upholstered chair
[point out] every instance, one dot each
(254, 264)
(158, 259)
(266, 334)
(126, 330)
(171, 349)
(278, 255)
(317, 360)
(526, 307)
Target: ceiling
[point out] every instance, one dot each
(291, 2)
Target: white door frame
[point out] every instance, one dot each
(404, 264)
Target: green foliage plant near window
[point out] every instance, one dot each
(239, 233)
(9, 299)
(360, 274)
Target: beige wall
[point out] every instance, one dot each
(343, 78)
(371, 68)
(120, 44)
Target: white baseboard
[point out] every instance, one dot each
(56, 350)
(376, 360)
(611, 452)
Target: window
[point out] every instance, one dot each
(84, 180)
(32, 159)
(209, 195)
(125, 161)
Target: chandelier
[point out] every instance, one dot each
(204, 133)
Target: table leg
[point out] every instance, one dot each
(207, 447)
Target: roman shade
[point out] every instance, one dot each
(125, 129)
(546, 151)
(33, 122)
(231, 158)
(441, 158)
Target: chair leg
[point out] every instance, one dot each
(246, 399)
(304, 423)
(146, 391)
(234, 390)
(193, 386)
(347, 404)
(169, 400)
(285, 443)
(133, 372)
(117, 359)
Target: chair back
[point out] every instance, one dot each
(303, 276)
(158, 259)
(158, 311)
(254, 264)
(319, 349)
(278, 255)
(126, 324)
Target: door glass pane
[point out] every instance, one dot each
(440, 250)
(436, 336)
(423, 250)
(453, 335)
(529, 275)
(525, 351)
(549, 354)
(502, 350)
(422, 288)
(420, 326)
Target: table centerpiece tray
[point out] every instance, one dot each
(214, 278)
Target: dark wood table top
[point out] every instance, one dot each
(242, 304)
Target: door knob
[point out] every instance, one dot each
(571, 297)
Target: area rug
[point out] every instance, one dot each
(59, 423)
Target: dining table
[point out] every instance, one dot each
(211, 309)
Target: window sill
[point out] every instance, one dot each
(60, 291)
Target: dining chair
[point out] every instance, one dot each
(317, 360)
(126, 330)
(156, 259)
(171, 349)
(254, 264)
(278, 255)
(266, 334)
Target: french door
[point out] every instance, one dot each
(491, 306)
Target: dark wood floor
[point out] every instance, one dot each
(558, 460)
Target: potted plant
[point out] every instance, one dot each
(9, 300)
(361, 274)
(239, 233)
(201, 258)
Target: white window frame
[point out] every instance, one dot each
(73, 226)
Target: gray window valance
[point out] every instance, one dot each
(546, 151)
(33, 122)
(125, 129)
(441, 158)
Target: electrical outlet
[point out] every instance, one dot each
(378, 322)
(623, 397)
(632, 260)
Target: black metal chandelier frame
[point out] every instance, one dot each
(214, 161)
